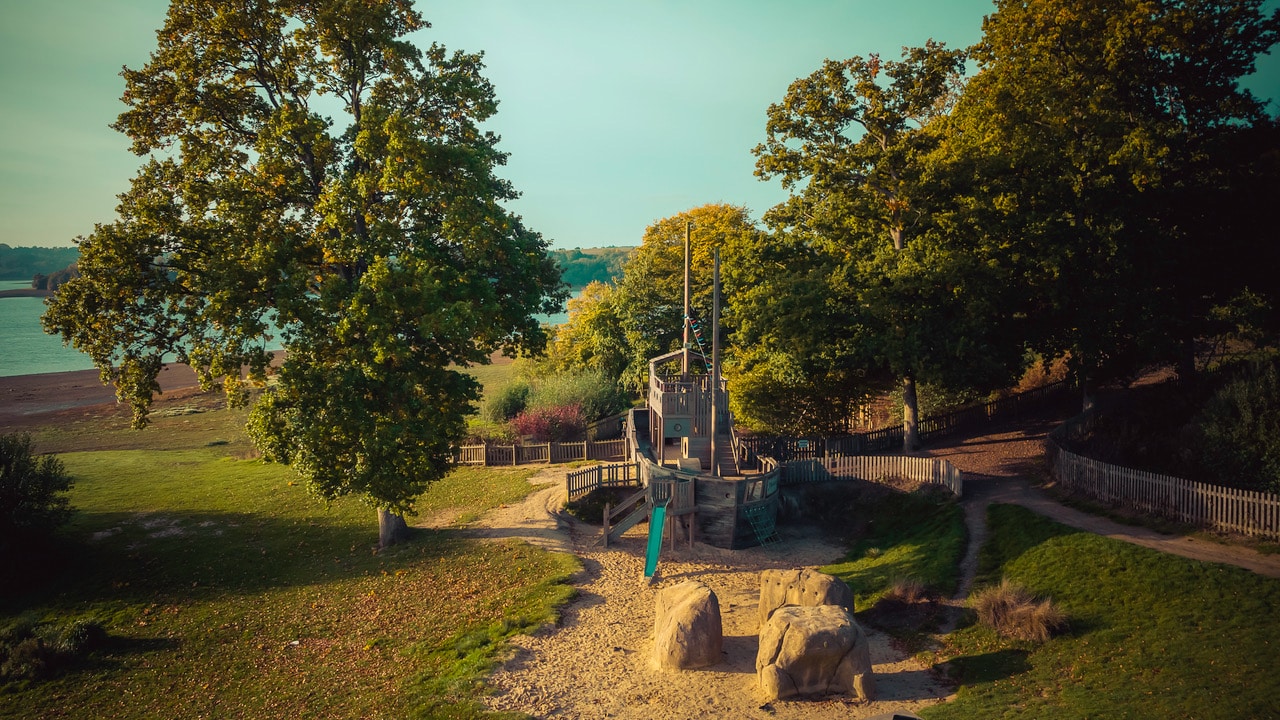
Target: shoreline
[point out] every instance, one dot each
(22, 396)
(25, 292)
(25, 397)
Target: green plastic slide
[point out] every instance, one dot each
(657, 519)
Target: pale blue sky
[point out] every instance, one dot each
(615, 113)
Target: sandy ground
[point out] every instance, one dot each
(596, 662)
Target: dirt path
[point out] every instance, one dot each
(998, 467)
(595, 663)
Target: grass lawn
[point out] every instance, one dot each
(917, 535)
(1151, 635)
(229, 591)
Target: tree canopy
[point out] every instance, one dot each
(856, 142)
(311, 174)
(1113, 157)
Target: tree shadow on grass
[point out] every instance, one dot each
(990, 667)
(154, 557)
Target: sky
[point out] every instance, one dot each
(615, 113)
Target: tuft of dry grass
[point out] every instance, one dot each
(1012, 611)
(907, 590)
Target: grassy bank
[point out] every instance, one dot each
(1151, 635)
(898, 536)
(228, 591)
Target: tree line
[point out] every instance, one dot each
(1089, 181)
(24, 263)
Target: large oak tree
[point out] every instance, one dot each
(854, 143)
(310, 174)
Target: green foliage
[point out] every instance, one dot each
(793, 368)
(33, 499)
(889, 283)
(593, 338)
(1108, 158)
(507, 401)
(24, 263)
(39, 651)
(582, 267)
(373, 236)
(1238, 431)
(595, 393)
(649, 301)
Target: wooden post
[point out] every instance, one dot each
(715, 365)
(606, 524)
(684, 361)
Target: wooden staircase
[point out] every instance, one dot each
(725, 459)
(632, 510)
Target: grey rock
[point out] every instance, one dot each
(814, 650)
(687, 629)
(806, 588)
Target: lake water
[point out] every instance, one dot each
(25, 349)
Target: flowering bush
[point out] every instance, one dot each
(555, 423)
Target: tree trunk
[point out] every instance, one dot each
(392, 529)
(1187, 360)
(910, 415)
(1088, 392)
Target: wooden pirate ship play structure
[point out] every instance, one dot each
(698, 482)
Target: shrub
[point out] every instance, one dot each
(34, 651)
(595, 395)
(507, 402)
(32, 491)
(1012, 611)
(1239, 431)
(550, 424)
(907, 590)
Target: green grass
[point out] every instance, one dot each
(914, 535)
(1151, 635)
(229, 591)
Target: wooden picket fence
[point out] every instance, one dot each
(544, 453)
(1194, 503)
(889, 439)
(580, 482)
(873, 468)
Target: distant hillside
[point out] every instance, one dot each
(581, 266)
(24, 263)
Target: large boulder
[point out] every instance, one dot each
(814, 650)
(687, 629)
(800, 587)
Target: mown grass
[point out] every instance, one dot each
(228, 591)
(919, 535)
(1150, 635)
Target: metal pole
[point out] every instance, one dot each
(684, 362)
(715, 365)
